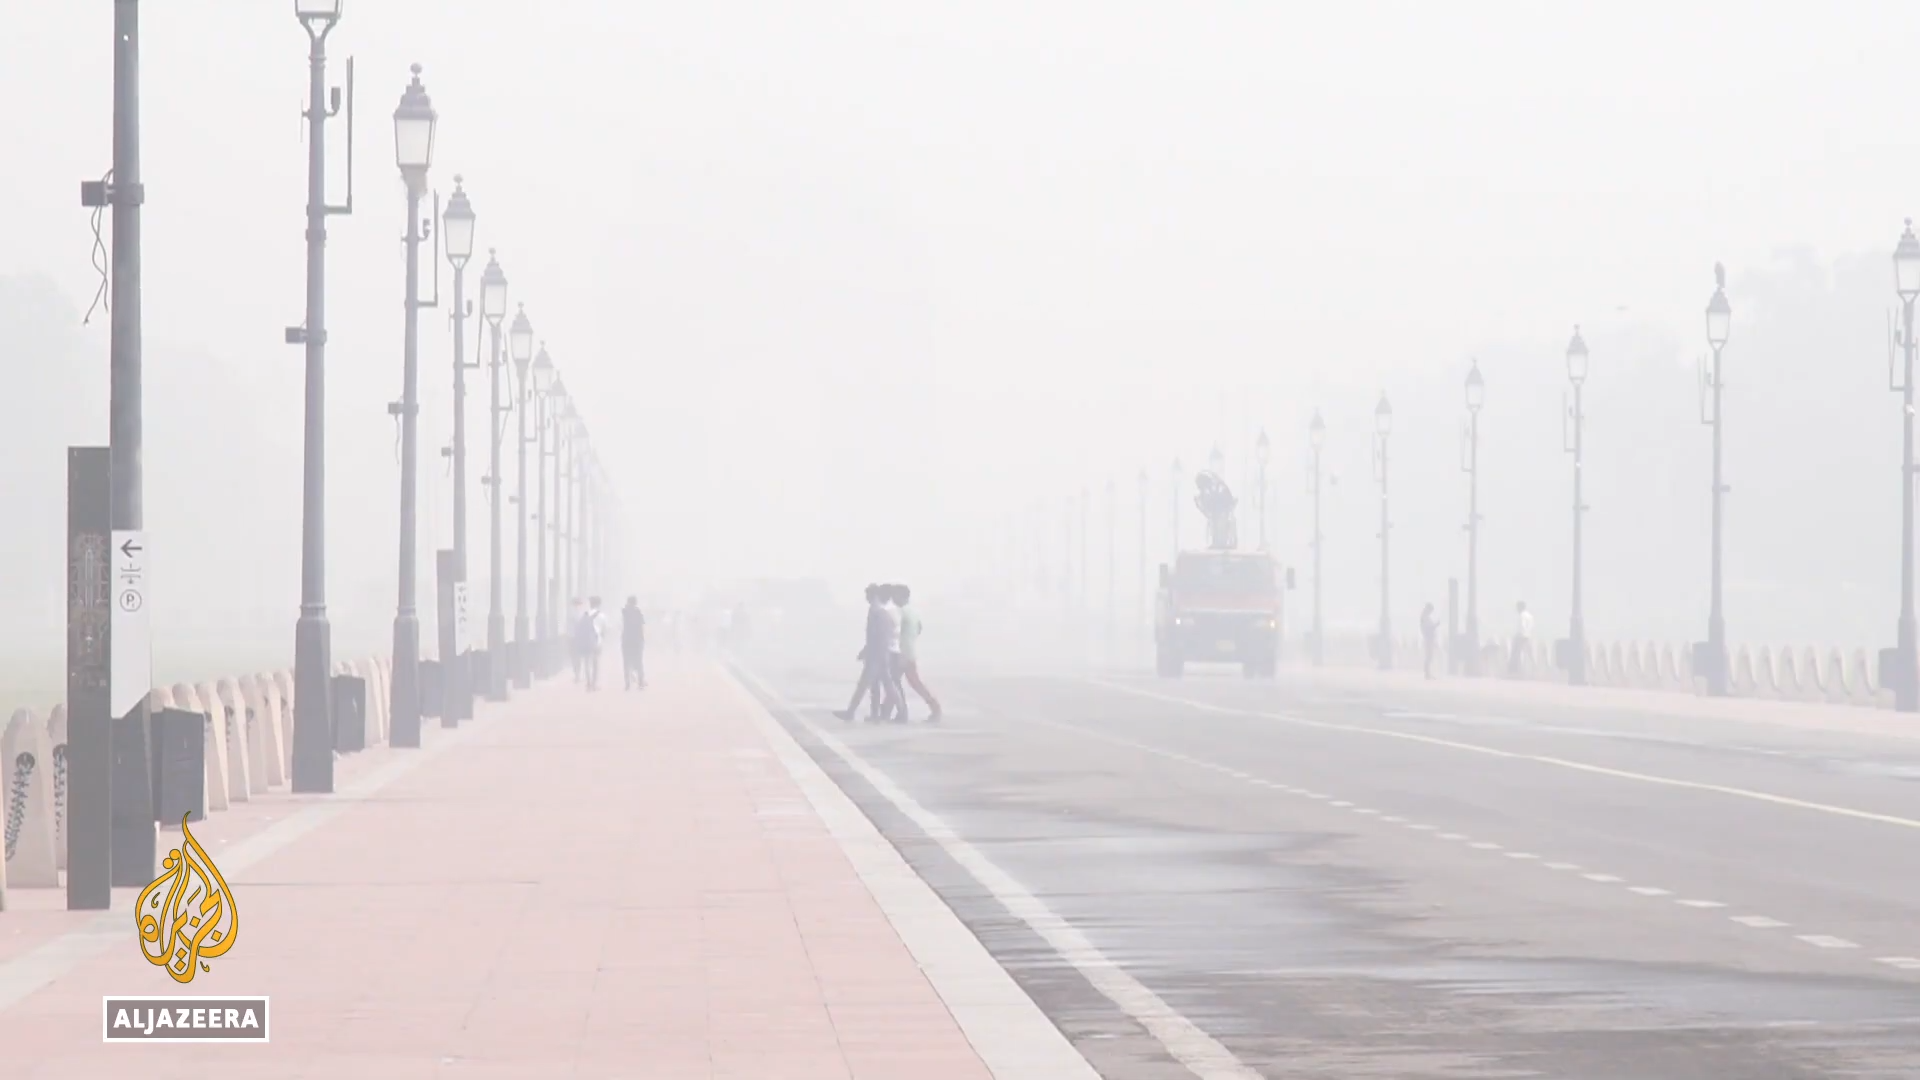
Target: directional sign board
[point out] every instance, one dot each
(460, 639)
(131, 663)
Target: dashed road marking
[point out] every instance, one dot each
(1758, 922)
(1513, 755)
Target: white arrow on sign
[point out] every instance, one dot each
(130, 641)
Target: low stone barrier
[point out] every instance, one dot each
(249, 753)
(1778, 673)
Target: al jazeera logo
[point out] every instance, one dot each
(186, 918)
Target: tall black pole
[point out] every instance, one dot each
(452, 658)
(543, 623)
(406, 620)
(1906, 692)
(130, 646)
(496, 587)
(1319, 635)
(568, 465)
(1577, 630)
(524, 401)
(1145, 613)
(313, 741)
(1476, 389)
(1473, 543)
(1716, 612)
(1382, 420)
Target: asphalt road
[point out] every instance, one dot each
(1225, 878)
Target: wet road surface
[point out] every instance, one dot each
(1217, 877)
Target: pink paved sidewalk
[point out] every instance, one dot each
(1854, 719)
(590, 886)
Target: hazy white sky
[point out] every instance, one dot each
(881, 271)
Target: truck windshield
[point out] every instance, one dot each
(1224, 573)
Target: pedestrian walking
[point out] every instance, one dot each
(1522, 640)
(588, 635)
(910, 629)
(574, 611)
(872, 657)
(1429, 634)
(633, 645)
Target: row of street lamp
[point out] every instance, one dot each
(581, 522)
(1899, 666)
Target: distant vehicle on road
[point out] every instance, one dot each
(1219, 605)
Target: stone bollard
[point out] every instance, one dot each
(186, 697)
(263, 745)
(57, 739)
(233, 737)
(28, 758)
(283, 686)
(242, 736)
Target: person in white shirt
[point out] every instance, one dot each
(1522, 639)
(894, 707)
(910, 652)
(590, 635)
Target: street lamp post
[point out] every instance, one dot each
(520, 344)
(313, 741)
(1317, 438)
(543, 378)
(1113, 530)
(1382, 427)
(1476, 394)
(1261, 451)
(1719, 323)
(493, 308)
(456, 236)
(1575, 445)
(1905, 669)
(413, 129)
(552, 524)
(1144, 609)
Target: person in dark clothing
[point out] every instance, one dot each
(633, 644)
(1429, 635)
(875, 669)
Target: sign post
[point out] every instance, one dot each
(88, 813)
(129, 683)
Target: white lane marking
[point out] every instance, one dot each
(1340, 804)
(1562, 763)
(1038, 1053)
(1364, 810)
(1421, 826)
(1316, 795)
(1755, 921)
(1904, 963)
(27, 974)
(1392, 820)
(1521, 855)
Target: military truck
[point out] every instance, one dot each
(1220, 605)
